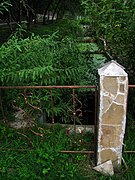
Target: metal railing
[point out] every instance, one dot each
(74, 110)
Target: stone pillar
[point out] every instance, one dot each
(112, 113)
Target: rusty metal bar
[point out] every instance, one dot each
(78, 152)
(74, 99)
(74, 112)
(131, 86)
(45, 87)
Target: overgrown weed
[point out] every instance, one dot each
(25, 154)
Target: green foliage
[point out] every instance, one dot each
(42, 154)
(43, 157)
(42, 61)
(64, 28)
(50, 60)
(114, 22)
(93, 59)
(4, 6)
(88, 47)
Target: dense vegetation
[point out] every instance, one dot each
(112, 24)
(47, 61)
(60, 52)
(35, 154)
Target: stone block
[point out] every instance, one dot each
(110, 137)
(106, 102)
(105, 168)
(122, 78)
(121, 88)
(109, 154)
(120, 99)
(110, 84)
(114, 115)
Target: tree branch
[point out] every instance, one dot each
(106, 48)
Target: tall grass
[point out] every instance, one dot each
(35, 154)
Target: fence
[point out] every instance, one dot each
(71, 105)
(65, 105)
(74, 107)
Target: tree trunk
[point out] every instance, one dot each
(56, 9)
(45, 12)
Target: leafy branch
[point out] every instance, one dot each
(4, 6)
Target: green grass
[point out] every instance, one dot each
(25, 155)
(63, 27)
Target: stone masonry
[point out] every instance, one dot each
(112, 113)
